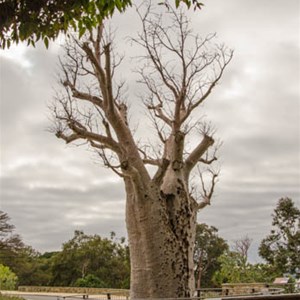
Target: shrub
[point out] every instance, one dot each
(8, 279)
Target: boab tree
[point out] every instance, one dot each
(179, 70)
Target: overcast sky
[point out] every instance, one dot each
(50, 189)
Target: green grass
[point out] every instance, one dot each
(5, 297)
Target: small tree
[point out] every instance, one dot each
(11, 244)
(9, 241)
(208, 248)
(8, 279)
(242, 246)
(281, 248)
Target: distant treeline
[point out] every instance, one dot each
(94, 261)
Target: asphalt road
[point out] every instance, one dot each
(32, 297)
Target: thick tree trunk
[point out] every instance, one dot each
(161, 231)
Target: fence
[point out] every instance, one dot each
(227, 292)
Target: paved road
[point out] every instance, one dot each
(32, 297)
(62, 297)
(59, 296)
(28, 296)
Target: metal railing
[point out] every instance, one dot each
(117, 294)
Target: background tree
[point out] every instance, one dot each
(242, 246)
(31, 21)
(92, 260)
(10, 243)
(31, 267)
(208, 248)
(281, 248)
(23, 260)
(179, 70)
(235, 269)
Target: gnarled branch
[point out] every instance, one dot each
(207, 195)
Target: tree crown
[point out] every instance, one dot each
(34, 20)
(281, 248)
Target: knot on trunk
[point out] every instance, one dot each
(179, 137)
(177, 165)
(124, 165)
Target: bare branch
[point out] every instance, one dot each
(148, 160)
(159, 113)
(222, 60)
(108, 164)
(82, 95)
(68, 138)
(242, 245)
(197, 153)
(208, 161)
(190, 74)
(207, 195)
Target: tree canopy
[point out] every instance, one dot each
(10, 243)
(29, 265)
(281, 248)
(236, 269)
(89, 260)
(209, 246)
(31, 21)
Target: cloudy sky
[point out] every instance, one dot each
(50, 189)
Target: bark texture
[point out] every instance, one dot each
(161, 209)
(161, 226)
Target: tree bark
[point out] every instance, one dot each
(161, 228)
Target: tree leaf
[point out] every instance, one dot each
(46, 42)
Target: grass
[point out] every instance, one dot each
(6, 297)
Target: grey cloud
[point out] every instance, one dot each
(34, 210)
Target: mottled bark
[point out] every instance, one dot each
(161, 230)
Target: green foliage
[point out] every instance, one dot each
(85, 260)
(10, 243)
(8, 279)
(232, 266)
(208, 248)
(44, 19)
(85, 255)
(281, 248)
(236, 269)
(29, 266)
(32, 268)
(32, 21)
(90, 281)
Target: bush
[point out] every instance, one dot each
(90, 281)
(8, 279)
